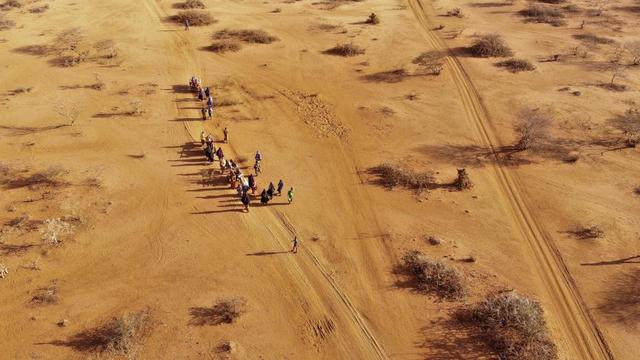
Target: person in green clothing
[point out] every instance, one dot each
(290, 195)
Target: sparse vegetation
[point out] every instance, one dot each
(54, 231)
(191, 4)
(224, 46)
(545, 14)
(391, 175)
(629, 124)
(431, 61)
(633, 48)
(514, 327)
(432, 276)
(347, 50)
(462, 180)
(517, 65)
(457, 12)
(39, 9)
(195, 17)
(389, 76)
(224, 311)
(51, 177)
(10, 4)
(119, 336)
(47, 295)
(248, 36)
(532, 129)
(593, 40)
(587, 232)
(373, 19)
(490, 45)
(6, 24)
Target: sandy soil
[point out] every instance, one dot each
(143, 226)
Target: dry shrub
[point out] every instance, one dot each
(46, 296)
(462, 181)
(51, 177)
(543, 14)
(248, 36)
(432, 276)
(587, 232)
(224, 311)
(514, 326)
(517, 65)
(347, 50)
(532, 129)
(633, 48)
(224, 46)
(6, 24)
(629, 124)
(4, 271)
(195, 17)
(55, 230)
(373, 19)
(593, 40)
(490, 45)
(391, 175)
(457, 12)
(10, 4)
(431, 61)
(39, 9)
(191, 4)
(119, 336)
(69, 48)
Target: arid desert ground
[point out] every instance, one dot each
(466, 175)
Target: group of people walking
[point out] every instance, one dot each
(237, 180)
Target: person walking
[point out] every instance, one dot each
(186, 24)
(207, 92)
(252, 184)
(264, 199)
(202, 137)
(290, 195)
(203, 111)
(226, 135)
(201, 96)
(271, 190)
(256, 167)
(246, 201)
(220, 153)
(280, 187)
(294, 249)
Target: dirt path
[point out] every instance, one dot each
(306, 277)
(583, 338)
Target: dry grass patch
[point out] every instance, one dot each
(593, 40)
(587, 232)
(248, 36)
(629, 124)
(532, 129)
(517, 65)
(224, 311)
(346, 50)
(224, 46)
(514, 327)
(39, 9)
(191, 4)
(195, 18)
(46, 296)
(432, 276)
(6, 24)
(490, 45)
(10, 4)
(52, 177)
(538, 13)
(119, 336)
(391, 175)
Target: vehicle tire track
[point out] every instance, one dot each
(580, 330)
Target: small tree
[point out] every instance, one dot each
(532, 128)
(629, 124)
(462, 181)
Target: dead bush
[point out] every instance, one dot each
(46, 296)
(517, 65)
(538, 13)
(432, 276)
(191, 4)
(633, 48)
(490, 45)
(51, 177)
(39, 9)
(391, 175)
(462, 180)
(532, 129)
(195, 18)
(514, 327)
(224, 311)
(629, 124)
(11, 4)
(587, 232)
(224, 46)
(248, 36)
(373, 19)
(346, 50)
(457, 12)
(593, 40)
(431, 61)
(6, 24)
(121, 335)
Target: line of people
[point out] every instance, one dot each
(237, 180)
